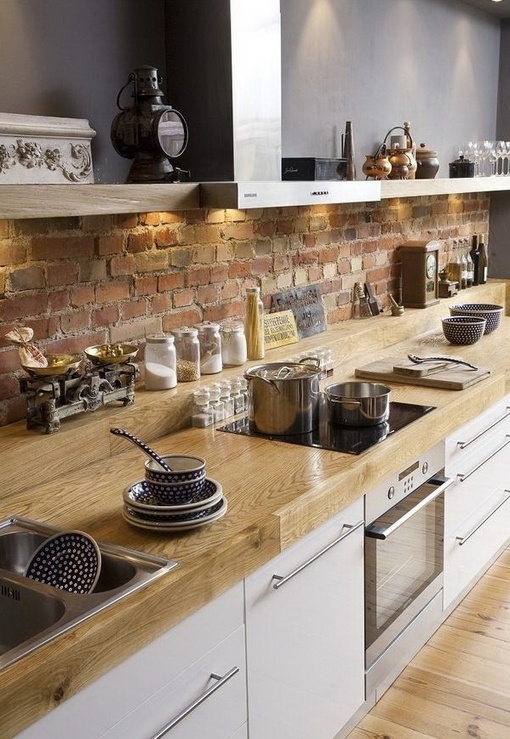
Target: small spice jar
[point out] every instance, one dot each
(233, 344)
(254, 324)
(202, 415)
(160, 362)
(187, 349)
(210, 347)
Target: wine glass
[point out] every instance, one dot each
(499, 153)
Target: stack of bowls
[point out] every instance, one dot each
(183, 498)
(491, 313)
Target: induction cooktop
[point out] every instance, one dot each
(346, 439)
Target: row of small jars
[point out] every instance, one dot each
(189, 352)
(219, 401)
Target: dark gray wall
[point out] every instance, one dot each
(69, 58)
(499, 254)
(431, 62)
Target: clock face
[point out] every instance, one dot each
(430, 266)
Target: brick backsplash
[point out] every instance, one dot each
(83, 281)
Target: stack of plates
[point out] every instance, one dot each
(142, 509)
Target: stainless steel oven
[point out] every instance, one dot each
(403, 566)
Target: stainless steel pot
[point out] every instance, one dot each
(283, 398)
(358, 403)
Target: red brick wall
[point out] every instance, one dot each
(83, 281)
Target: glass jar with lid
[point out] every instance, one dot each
(210, 347)
(160, 362)
(233, 344)
(187, 349)
(202, 415)
(254, 323)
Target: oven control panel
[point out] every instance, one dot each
(392, 490)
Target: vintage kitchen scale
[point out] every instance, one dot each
(63, 389)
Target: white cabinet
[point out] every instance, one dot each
(305, 634)
(477, 505)
(192, 676)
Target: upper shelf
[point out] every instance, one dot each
(419, 188)
(56, 201)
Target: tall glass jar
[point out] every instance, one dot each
(210, 347)
(160, 362)
(254, 324)
(233, 344)
(187, 349)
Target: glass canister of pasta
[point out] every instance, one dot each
(254, 324)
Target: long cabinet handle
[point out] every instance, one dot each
(464, 444)
(463, 477)
(221, 680)
(463, 539)
(282, 579)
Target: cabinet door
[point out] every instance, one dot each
(305, 634)
(477, 505)
(206, 700)
(142, 694)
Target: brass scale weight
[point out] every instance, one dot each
(65, 391)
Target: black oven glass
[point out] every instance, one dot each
(347, 439)
(403, 558)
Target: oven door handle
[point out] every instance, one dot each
(377, 533)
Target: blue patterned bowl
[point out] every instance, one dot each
(491, 313)
(182, 484)
(185, 468)
(463, 329)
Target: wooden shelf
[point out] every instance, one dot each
(443, 186)
(58, 201)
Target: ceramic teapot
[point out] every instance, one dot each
(427, 163)
(377, 167)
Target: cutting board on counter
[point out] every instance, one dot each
(451, 377)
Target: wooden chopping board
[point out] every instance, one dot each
(453, 377)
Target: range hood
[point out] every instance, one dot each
(224, 76)
(244, 195)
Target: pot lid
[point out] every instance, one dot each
(423, 152)
(283, 371)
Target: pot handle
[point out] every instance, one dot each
(347, 403)
(399, 128)
(311, 360)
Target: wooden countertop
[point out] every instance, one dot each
(276, 492)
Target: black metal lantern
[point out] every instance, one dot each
(150, 132)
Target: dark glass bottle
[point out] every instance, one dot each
(482, 262)
(348, 152)
(475, 256)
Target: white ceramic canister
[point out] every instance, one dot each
(210, 347)
(160, 362)
(233, 344)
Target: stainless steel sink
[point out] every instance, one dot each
(32, 613)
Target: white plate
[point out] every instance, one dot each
(192, 520)
(139, 496)
(70, 561)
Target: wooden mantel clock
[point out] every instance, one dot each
(420, 260)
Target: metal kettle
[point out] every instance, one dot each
(403, 162)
